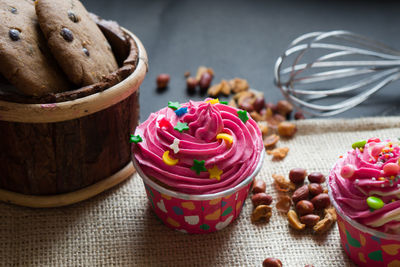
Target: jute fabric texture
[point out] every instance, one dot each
(118, 227)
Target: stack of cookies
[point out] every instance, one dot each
(51, 46)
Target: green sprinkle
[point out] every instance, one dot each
(198, 166)
(359, 144)
(174, 105)
(224, 102)
(375, 203)
(135, 139)
(243, 115)
(181, 126)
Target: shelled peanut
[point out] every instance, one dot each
(261, 202)
(306, 204)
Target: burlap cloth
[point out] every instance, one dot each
(118, 228)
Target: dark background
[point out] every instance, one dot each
(243, 39)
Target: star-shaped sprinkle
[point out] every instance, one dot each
(213, 101)
(175, 145)
(164, 123)
(180, 112)
(224, 102)
(173, 105)
(135, 139)
(243, 115)
(198, 166)
(215, 173)
(181, 126)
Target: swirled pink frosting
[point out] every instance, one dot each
(205, 121)
(370, 178)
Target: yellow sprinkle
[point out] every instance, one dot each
(213, 101)
(215, 172)
(391, 177)
(228, 138)
(381, 178)
(361, 149)
(167, 160)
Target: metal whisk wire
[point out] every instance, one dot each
(379, 65)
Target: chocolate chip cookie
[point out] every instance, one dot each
(75, 41)
(25, 60)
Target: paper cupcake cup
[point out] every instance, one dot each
(197, 214)
(364, 245)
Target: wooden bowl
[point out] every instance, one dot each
(59, 153)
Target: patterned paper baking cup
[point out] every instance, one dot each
(366, 246)
(197, 214)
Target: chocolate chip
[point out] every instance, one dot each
(67, 35)
(86, 51)
(72, 16)
(13, 10)
(14, 34)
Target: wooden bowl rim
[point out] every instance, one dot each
(69, 110)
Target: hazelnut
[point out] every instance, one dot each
(259, 186)
(261, 199)
(316, 177)
(162, 80)
(297, 175)
(321, 201)
(315, 189)
(272, 262)
(301, 193)
(304, 207)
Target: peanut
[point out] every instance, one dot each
(278, 153)
(261, 212)
(239, 85)
(315, 189)
(294, 220)
(283, 183)
(310, 219)
(263, 128)
(304, 207)
(286, 129)
(321, 201)
(259, 186)
(297, 175)
(301, 193)
(191, 84)
(162, 80)
(316, 177)
(261, 199)
(205, 81)
(299, 115)
(284, 108)
(272, 262)
(323, 225)
(271, 140)
(284, 204)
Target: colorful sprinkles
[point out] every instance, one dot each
(168, 160)
(135, 139)
(227, 137)
(198, 166)
(173, 105)
(243, 115)
(215, 173)
(181, 111)
(213, 101)
(181, 126)
(175, 146)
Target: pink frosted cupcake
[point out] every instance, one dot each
(364, 186)
(197, 161)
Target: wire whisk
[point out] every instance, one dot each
(339, 66)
